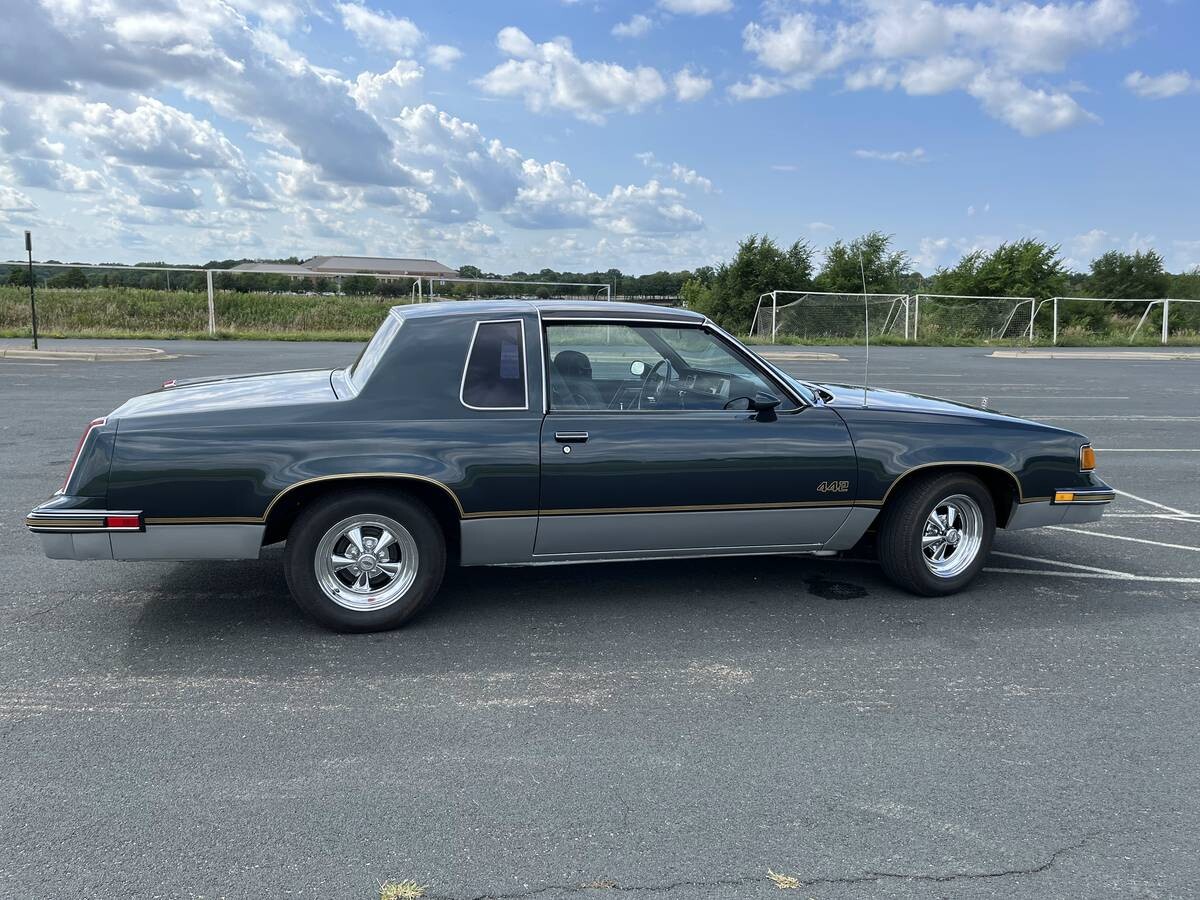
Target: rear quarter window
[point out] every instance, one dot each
(494, 373)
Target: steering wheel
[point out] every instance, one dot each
(643, 393)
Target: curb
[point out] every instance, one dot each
(86, 354)
(1096, 354)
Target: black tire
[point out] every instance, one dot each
(903, 526)
(320, 522)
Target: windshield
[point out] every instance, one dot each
(360, 370)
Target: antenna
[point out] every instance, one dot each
(866, 324)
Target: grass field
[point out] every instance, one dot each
(154, 314)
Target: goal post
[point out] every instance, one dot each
(828, 316)
(1100, 320)
(954, 317)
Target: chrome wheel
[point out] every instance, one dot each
(366, 562)
(952, 536)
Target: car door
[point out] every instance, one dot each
(641, 457)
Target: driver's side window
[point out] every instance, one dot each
(624, 367)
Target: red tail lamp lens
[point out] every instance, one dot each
(122, 522)
(95, 423)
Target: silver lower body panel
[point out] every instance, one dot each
(158, 542)
(1040, 513)
(666, 535)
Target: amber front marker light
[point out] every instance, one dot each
(1064, 497)
(1087, 458)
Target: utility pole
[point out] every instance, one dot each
(32, 302)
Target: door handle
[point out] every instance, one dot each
(571, 437)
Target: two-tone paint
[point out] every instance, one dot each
(216, 468)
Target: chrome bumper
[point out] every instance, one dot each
(85, 534)
(1085, 506)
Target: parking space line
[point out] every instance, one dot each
(1122, 537)
(1055, 562)
(1155, 503)
(1114, 576)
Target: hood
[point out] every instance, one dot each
(233, 392)
(845, 395)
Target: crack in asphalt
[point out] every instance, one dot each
(868, 877)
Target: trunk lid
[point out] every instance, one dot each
(233, 392)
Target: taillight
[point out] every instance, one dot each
(122, 521)
(95, 423)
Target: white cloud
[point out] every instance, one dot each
(387, 93)
(757, 88)
(916, 155)
(696, 7)
(649, 209)
(690, 177)
(444, 56)
(927, 48)
(155, 134)
(689, 86)
(1031, 112)
(638, 26)
(550, 76)
(12, 200)
(382, 31)
(1159, 87)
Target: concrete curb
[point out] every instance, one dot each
(90, 354)
(1096, 354)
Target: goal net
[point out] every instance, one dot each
(820, 317)
(949, 318)
(1087, 320)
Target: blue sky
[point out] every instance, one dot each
(592, 134)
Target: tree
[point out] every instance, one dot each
(885, 269)
(1024, 268)
(1136, 275)
(469, 272)
(758, 267)
(72, 278)
(18, 275)
(358, 285)
(696, 295)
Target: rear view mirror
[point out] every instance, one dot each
(637, 368)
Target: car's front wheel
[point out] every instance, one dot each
(364, 560)
(935, 536)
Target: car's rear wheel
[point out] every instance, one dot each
(364, 560)
(935, 536)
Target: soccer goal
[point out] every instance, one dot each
(822, 317)
(1088, 320)
(946, 318)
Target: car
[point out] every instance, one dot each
(482, 433)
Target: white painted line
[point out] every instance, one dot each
(1154, 503)
(1127, 418)
(1148, 450)
(1169, 517)
(1122, 537)
(1055, 562)
(1116, 576)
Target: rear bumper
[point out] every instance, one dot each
(86, 534)
(1084, 506)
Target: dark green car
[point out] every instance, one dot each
(501, 433)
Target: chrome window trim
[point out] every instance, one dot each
(543, 360)
(93, 426)
(524, 367)
(770, 373)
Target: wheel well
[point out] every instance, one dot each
(1001, 484)
(287, 507)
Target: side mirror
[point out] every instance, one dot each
(637, 368)
(764, 402)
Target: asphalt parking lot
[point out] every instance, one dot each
(659, 729)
